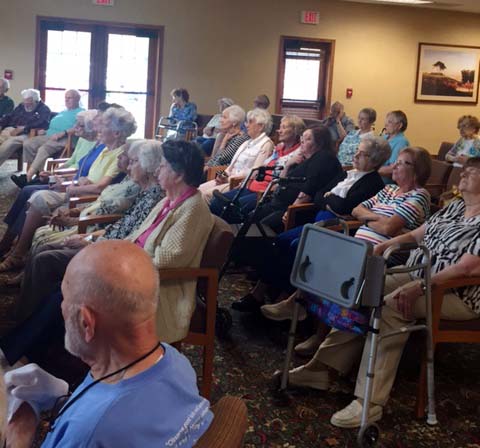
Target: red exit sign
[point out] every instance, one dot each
(103, 2)
(310, 17)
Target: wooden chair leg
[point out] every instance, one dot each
(207, 371)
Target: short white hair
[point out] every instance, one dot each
(121, 121)
(149, 154)
(261, 116)
(88, 117)
(235, 114)
(31, 93)
(6, 83)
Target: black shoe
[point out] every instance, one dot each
(20, 181)
(247, 304)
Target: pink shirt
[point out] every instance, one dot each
(167, 207)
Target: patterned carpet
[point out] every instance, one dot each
(255, 348)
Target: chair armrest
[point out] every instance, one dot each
(53, 163)
(74, 201)
(86, 221)
(65, 171)
(235, 181)
(213, 170)
(292, 213)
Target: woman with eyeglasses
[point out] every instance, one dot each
(468, 145)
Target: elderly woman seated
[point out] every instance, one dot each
(86, 151)
(393, 210)
(116, 126)
(252, 153)
(174, 234)
(212, 128)
(453, 237)
(349, 145)
(289, 133)
(39, 280)
(181, 109)
(468, 145)
(230, 138)
(395, 125)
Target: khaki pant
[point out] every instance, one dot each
(37, 150)
(9, 145)
(209, 187)
(340, 350)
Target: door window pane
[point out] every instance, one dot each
(55, 100)
(301, 79)
(68, 59)
(134, 103)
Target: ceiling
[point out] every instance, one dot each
(450, 5)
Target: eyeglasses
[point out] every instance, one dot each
(470, 171)
(403, 162)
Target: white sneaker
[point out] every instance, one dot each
(351, 416)
(300, 376)
(282, 311)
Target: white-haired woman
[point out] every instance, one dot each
(115, 127)
(6, 103)
(251, 154)
(231, 136)
(212, 129)
(31, 113)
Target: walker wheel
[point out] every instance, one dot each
(223, 322)
(368, 436)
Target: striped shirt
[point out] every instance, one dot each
(225, 157)
(448, 236)
(413, 207)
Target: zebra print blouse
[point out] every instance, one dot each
(448, 236)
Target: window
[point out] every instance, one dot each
(97, 59)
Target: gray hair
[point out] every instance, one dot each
(31, 93)
(378, 149)
(88, 117)
(235, 114)
(6, 83)
(401, 117)
(261, 116)
(149, 154)
(121, 121)
(370, 113)
(226, 102)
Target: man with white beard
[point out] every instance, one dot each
(139, 392)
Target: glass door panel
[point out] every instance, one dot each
(67, 66)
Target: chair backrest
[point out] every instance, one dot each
(218, 245)
(454, 177)
(444, 148)
(202, 120)
(438, 179)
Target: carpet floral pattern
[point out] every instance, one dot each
(255, 348)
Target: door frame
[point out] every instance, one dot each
(325, 78)
(154, 82)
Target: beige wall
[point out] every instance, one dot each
(217, 48)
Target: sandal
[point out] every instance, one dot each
(11, 263)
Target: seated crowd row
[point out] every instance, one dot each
(168, 209)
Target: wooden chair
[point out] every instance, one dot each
(229, 425)
(446, 331)
(202, 326)
(437, 182)
(69, 147)
(444, 148)
(294, 211)
(213, 170)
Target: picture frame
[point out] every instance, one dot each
(447, 74)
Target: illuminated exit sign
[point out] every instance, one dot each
(103, 2)
(310, 17)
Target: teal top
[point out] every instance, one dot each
(82, 148)
(63, 121)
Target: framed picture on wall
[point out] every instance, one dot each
(447, 73)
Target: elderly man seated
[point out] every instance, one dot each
(37, 150)
(110, 324)
(32, 113)
(6, 103)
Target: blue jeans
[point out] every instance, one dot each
(17, 214)
(247, 202)
(206, 144)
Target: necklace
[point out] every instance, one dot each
(80, 394)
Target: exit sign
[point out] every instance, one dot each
(310, 17)
(103, 2)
